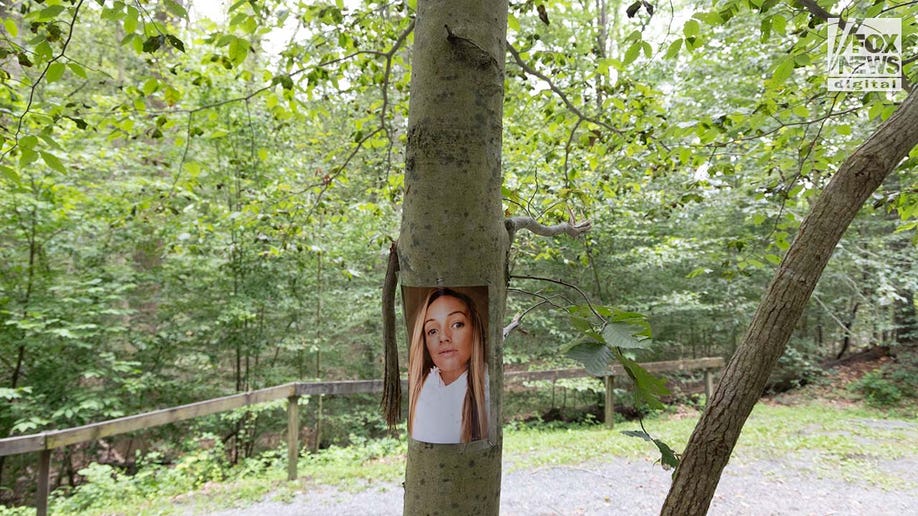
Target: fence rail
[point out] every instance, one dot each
(45, 442)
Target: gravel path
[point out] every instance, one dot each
(619, 486)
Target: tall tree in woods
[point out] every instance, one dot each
(452, 230)
(744, 378)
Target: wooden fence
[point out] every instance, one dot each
(44, 443)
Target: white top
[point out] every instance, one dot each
(438, 413)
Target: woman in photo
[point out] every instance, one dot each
(447, 371)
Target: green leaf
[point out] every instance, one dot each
(11, 28)
(640, 434)
(779, 24)
(24, 60)
(111, 14)
(765, 28)
(632, 52)
(284, 80)
(175, 42)
(10, 174)
(698, 272)
(153, 43)
(783, 70)
(43, 52)
(632, 9)
(53, 161)
(673, 49)
(10, 394)
(176, 9)
(193, 168)
(50, 13)
(80, 123)
(647, 387)
(668, 458)
(237, 5)
(513, 23)
(595, 356)
(171, 95)
(237, 19)
(130, 20)
(691, 28)
(150, 86)
(28, 142)
(55, 71)
(77, 70)
(238, 50)
(250, 25)
(619, 335)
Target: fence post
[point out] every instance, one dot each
(708, 385)
(44, 483)
(293, 436)
(610, 401)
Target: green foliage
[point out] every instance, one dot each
(106, 488)
(877, 389)
(798, 366)
(893, 384)
(596, 348)
(668, 458)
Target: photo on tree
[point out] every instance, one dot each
(447, 364)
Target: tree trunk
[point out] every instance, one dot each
(847, 325)
(452, 231)
(905, 319)
(743, 379)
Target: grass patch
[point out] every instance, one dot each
(540, 445)
(851, 443)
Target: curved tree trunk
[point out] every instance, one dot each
(453, 231)
(712, 442)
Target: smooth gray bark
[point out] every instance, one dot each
(452, 231)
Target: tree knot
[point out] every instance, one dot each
(469, 51)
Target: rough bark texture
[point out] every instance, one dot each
(743, 379)
(453, 231)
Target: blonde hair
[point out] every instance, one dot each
(474, 408)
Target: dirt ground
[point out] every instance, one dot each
(791, 485)
(622, 487)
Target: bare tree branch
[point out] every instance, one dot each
(572, 227)
(384, 88)
(570, 105)
(816, 10)
(515, 323)
(564, 283)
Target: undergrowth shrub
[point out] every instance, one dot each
(798, 366)
(893, 383)
(106, 487)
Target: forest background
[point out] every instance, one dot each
(194, 206)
